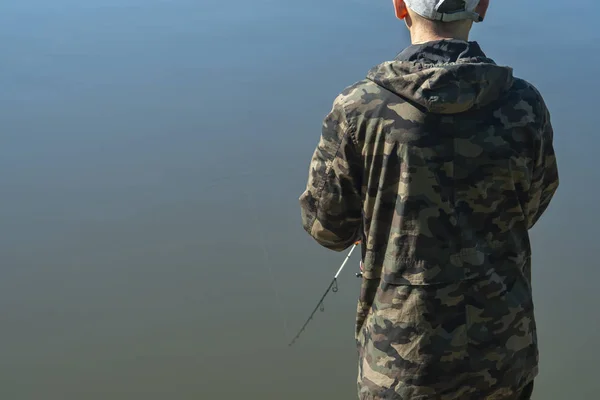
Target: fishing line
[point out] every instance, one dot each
(266, 260)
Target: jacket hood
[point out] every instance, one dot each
(444, 77)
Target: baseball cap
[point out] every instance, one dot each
(445, 10)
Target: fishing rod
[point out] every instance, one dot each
(332, 287)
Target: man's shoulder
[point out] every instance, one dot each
(360, 95)
(526, 89)
(529, 93)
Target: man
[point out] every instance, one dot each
(439, 162)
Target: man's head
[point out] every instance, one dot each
(440, 19)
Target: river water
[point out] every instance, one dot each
(151, 158)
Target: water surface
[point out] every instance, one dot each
(151, 158)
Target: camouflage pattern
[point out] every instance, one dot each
(440, 161)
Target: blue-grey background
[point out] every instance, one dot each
(151, 158)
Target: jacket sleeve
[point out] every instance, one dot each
(331, 205)
(545, 179)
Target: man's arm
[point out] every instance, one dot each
(332, 203)
(545, 179)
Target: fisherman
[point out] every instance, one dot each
(440, 162)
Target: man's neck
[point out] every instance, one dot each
(421, 36)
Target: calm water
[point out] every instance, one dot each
(151, 158)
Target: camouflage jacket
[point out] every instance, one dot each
(440, 161)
